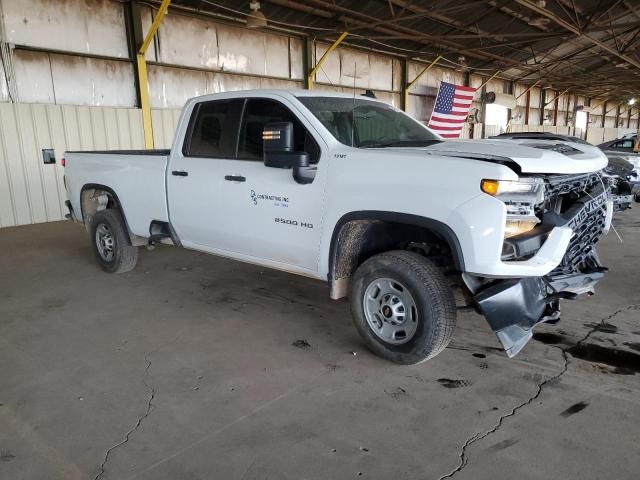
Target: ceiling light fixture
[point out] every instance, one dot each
(539, 22)
(256, 18)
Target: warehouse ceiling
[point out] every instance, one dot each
(590, 47)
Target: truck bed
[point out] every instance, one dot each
(136, 177)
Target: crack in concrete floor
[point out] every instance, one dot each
(152, 392)
(463, 460)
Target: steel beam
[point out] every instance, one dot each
(556, 97)
(489, 79)
(528, 89)
(575, 30)
(405, 91)
(143, 80)
(333, 46)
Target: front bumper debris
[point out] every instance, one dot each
(514, 306)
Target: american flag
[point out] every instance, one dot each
(451, 109)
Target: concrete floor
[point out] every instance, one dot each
(186, 369)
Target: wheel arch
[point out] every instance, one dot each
(86, 213)
(353, 236)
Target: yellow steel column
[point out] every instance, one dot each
(144, 101)
(413, 82)
(142, 75)
(323, 58)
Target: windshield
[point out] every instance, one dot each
(366, 124)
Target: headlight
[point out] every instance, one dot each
(498, 188)
(521, 198)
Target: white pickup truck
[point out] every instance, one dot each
(354, 192)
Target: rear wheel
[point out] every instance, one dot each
(403, 307)
(111, 244)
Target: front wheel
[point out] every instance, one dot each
(403, 307)
(111, 244)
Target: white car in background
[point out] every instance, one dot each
(621, 171)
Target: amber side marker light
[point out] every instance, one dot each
(489, 187)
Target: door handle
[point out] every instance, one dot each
(180, 173)
(235, 178)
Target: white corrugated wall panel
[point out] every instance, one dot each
(595, 135)
(83, 26)
(165, 123)
(32, 192)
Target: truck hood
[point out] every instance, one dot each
(532, 156)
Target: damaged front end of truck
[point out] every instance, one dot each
(572, 210)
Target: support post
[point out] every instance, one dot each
(333, 46)
(307, 59)
(509, 110)
(405, 93)
(404, 78)
(636, 147)
(483, 108)
(142, 74)
(558, 95)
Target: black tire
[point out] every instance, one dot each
(434, 303)
(124, 256)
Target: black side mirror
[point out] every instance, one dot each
(278, 150)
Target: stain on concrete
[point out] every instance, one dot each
(573, 409)
(302, 343)
(548, 338)
(6, 456)
(396, 393)
(332, 367)
(504, 444)
(449, 383)
(621, 360)
(55, 303)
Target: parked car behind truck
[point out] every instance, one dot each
(619, 173)
(356, 193)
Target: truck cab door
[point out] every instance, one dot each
(222, 198)
(271, 216)
(195, 176)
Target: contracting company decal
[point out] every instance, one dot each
(278, 201)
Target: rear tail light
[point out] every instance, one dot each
(62, 161)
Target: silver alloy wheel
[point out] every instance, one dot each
(390, 311)
(105, 242)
